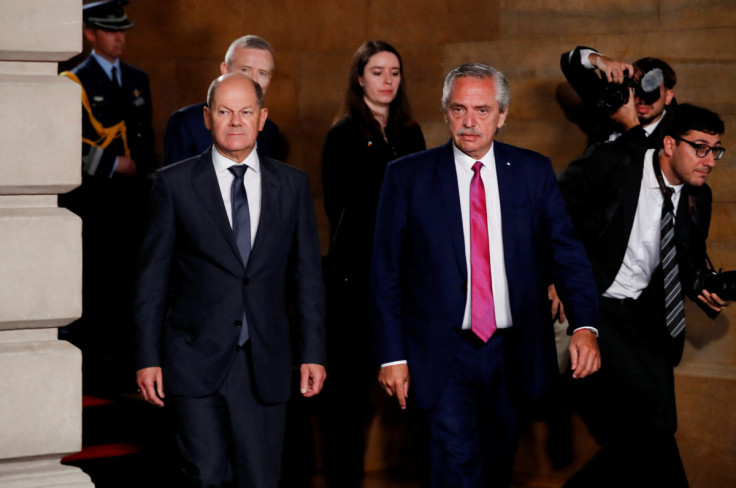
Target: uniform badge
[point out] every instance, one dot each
(139, 101)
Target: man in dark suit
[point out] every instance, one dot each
(618, 196)
(186, 134)
(638, 120)
(211, 322)
(118, 156)
(449, 269)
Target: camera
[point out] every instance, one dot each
(613, 96)
(722, 283)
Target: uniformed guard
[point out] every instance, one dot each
(117, 162)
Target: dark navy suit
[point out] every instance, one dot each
(112, 207)
(193, 290)
(187, 136)
(419, 280)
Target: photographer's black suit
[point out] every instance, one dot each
(587, 84)
(630, 403)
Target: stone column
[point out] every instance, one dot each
(40, 245)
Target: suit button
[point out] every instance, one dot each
(246, 281)
(238, 323)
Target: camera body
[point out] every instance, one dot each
(612, 96)
(722, 283)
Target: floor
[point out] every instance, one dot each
(124, 446)
(127, 442)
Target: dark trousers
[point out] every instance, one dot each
(230, 438)
(629, 405)
(473, 428)
(347, 401)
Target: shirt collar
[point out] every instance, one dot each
(466, 162)
(650, 177)
(650, 128)
(105, 64)
(222, 163)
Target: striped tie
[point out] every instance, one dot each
(674, 310)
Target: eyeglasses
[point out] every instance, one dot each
(702, 150)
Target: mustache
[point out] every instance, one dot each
(469, 131)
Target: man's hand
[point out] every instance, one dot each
(394, 379)
(585, 357)
(558, 310)
(713, 300)
(614, 70)
(626, 115)
(312, 378)
(126, 166)
(151, 384)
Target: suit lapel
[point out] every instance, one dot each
(204, 181)
(683, 224)
(630, 188)
(270, 186)
(447, 177)
(507, 189)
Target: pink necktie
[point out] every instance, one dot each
(483, 316)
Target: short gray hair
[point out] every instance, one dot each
(480, 71)
(246, 42)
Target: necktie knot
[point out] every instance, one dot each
(477, 167)
(668, 206)
(238, 170)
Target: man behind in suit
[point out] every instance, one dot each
(186, 134)
(436, 291)
(638, 120)
(111, 200)
(616, 194)
(211, 323)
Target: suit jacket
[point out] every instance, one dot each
(588, 85)
(601, 190)
(419, 275)
(113, 205)
(354, 160)
(111, 104)
(193, 287)
(187, 136)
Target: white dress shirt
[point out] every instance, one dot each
(642, 252)
(252, 181)
(464, 169)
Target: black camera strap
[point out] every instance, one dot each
(664, 189)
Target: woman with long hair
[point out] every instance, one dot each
(374, 127)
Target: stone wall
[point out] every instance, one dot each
(40, 245)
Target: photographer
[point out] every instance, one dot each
(643, 216)
(628, 101)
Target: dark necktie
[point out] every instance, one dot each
(483, 316)
(241, 226)
(115, 76)
(674, 310)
